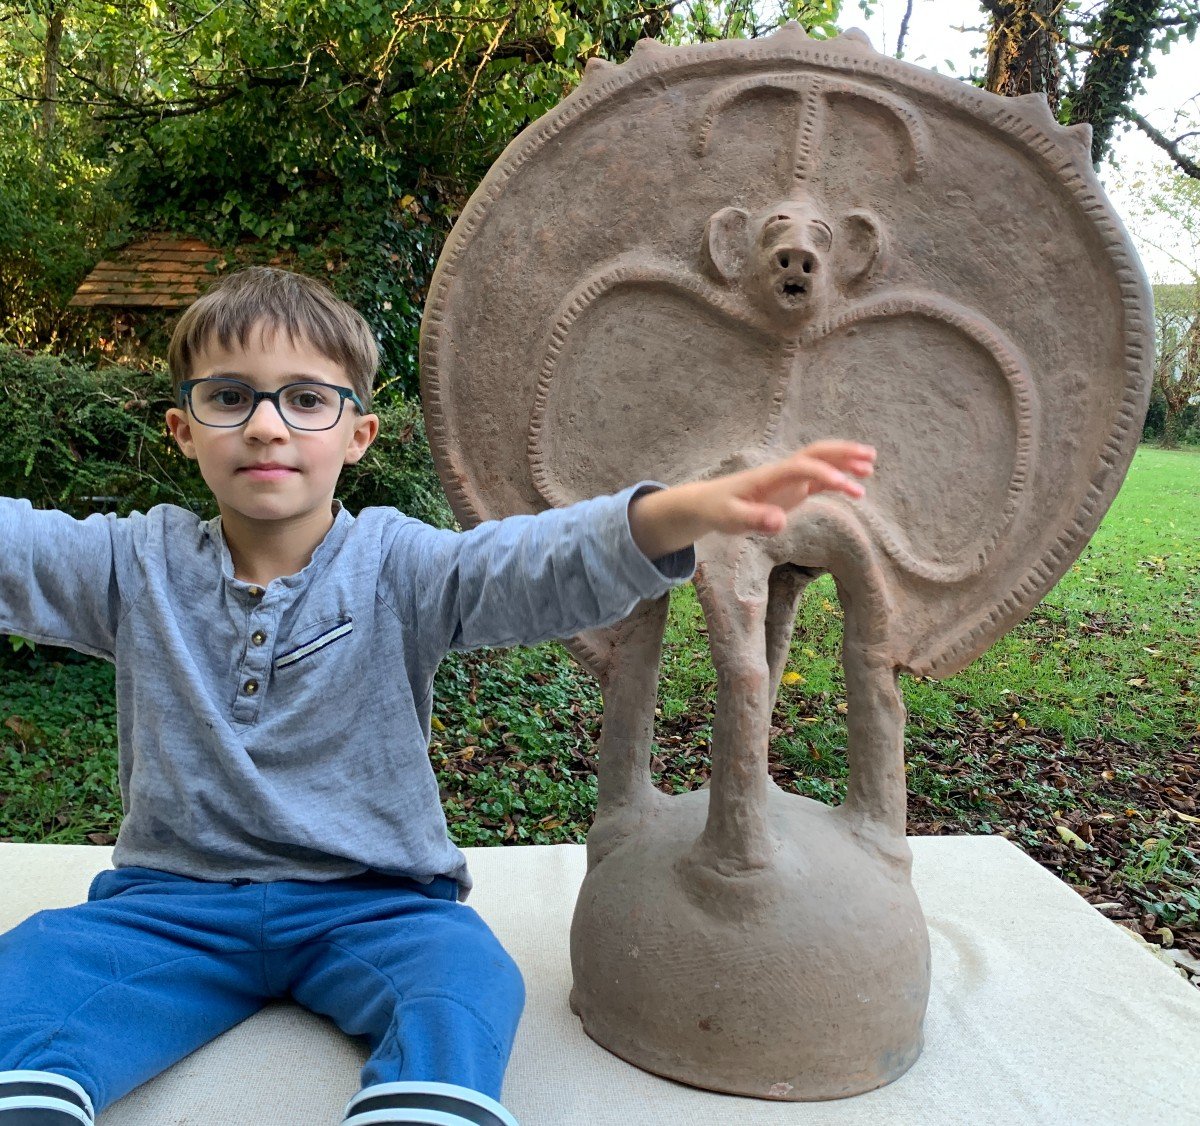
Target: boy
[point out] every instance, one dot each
(283, 835)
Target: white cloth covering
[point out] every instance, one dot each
(1042, 1011)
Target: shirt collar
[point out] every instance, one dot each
(211, 531)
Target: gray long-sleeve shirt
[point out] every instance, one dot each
(282, 733)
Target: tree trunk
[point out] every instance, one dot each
(1121, 43)
(1170, 438)
(50, 68)
(1023, 49)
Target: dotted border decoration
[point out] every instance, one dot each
(1062, 153)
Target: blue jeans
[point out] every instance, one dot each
(115, 990)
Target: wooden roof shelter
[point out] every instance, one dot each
(160, 272)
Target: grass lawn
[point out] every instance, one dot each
(1076, 735)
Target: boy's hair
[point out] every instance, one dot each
(304, 308)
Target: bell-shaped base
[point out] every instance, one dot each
(804, 980)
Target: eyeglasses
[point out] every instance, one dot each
(218, 401)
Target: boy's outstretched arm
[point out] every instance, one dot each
(65, 581)
(755, 500)
(529, 577)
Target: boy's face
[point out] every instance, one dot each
(314, 458)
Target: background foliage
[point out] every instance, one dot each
(87, 439)
(1175, 409)
(345, 136)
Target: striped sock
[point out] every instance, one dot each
(43, 1098)
(423, 1104)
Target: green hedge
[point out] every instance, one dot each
(86, 439)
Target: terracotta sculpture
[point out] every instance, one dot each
(738, 248)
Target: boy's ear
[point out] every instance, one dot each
(181, 430)
(366, 429)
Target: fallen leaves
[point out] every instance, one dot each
(1073, 839)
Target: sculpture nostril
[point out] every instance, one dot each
(783, 261)
(808, 265)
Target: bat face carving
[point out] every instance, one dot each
(781, 256)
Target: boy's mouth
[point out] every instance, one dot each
(268, 471)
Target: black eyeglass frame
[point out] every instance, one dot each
(344, 393)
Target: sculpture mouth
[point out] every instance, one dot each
(792, 292)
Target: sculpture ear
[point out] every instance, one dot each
(863, 245)
(725, 241)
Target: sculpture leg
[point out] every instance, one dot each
(733, 589)
(784, 589)
(829, 537)
(630, 689)
(876, 795)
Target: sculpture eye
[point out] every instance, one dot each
(821, 234)
(767, 231)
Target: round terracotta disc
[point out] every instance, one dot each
(975, 311)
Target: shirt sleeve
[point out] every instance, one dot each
(526, 578)
(58, 577)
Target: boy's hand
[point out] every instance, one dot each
(755, 500)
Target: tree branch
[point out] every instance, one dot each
(1124, 36)
(1188, 267)
(1171, 148)
(904, 30)
(183, 33)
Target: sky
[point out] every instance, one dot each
(935, 39)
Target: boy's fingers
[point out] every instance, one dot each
(767, 480)
(759, 499)
(852, 456)
(838, 446)
(819, 474)
(767, 518)
(856, 467)
(785, 483)
(859, 466)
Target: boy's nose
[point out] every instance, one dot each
(268, 419)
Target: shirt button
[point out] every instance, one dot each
(255, 591)
(250, 687)
(258, 637)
